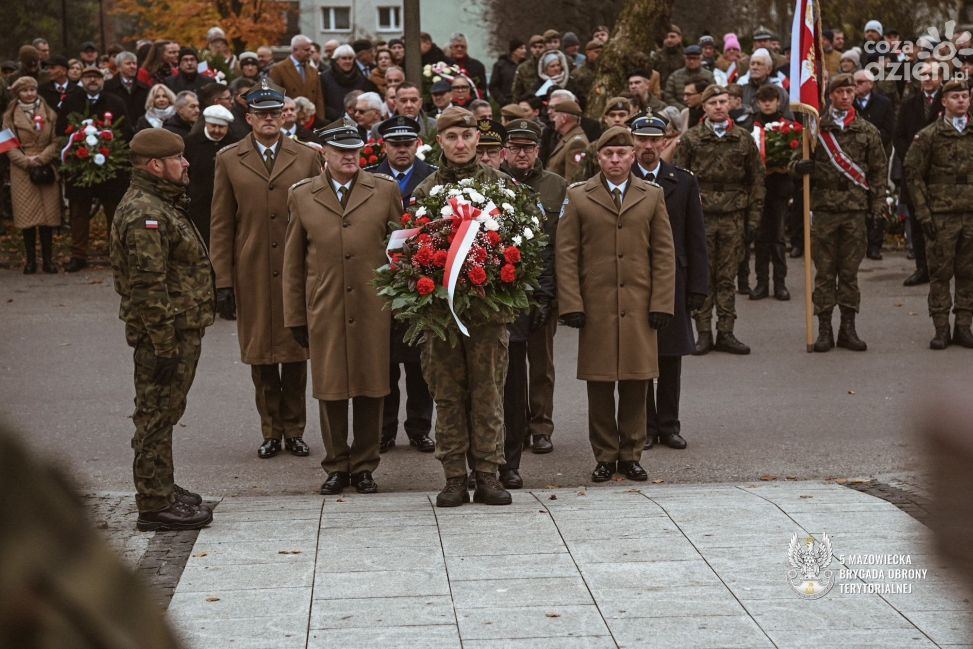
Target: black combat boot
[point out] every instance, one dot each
(178, 516)
(941, 339)
(962, 336)
(489, 491)
(704, 344)
(847, 336)
(187, 496)
(825, 341)
(727, 342)
(454, 493)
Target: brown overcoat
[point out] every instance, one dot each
(33, 205)
(329, 264)
(615, 267)
(247, 228)
(567, 157)
(285, 75)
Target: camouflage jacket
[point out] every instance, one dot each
(939, 170)
(162, 269)
(667, 61)
(525, 79)
(449, 173)
(672, 89)
(831, 191)
(729, 169)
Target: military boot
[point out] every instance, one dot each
(825, 341)
(489, 491)
(962, 336)
(727, 342)
(704, 344)
(847, 336)
(454, 493)
(178, 516)
(941, 339)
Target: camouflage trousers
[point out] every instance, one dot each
(838, 243)
(724, 247)
(951, 256)
(466, 382)
(157, 409)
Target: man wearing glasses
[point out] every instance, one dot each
(248, 223)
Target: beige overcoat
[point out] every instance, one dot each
(567, 157)
(247, 227)
(285, 75)
(33, 204)
(329, 265)
(615, 267)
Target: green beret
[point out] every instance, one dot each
(617, 103)
(156, 143)
(713, 90)
(955, 85)
(455, 116)
(615, 136)
(567, 107)
(841, 81)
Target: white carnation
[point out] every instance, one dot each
(91, 140)
(99, 159)
(446, 212)
(507, 207)
(435, 191)
(528, 234)
(466, 182)
(509, 192)
(420, 212)
(453, 192)
(535, 221)
(90, 130)
(517, 239)
(475, 196)
(491, 224)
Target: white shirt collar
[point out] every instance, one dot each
(337, 186)
(289, 132)
(297, 64)
(622, 187)
(654, 171)
(396, 172)
(261, 148)
(864, 100)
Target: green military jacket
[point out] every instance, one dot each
(162, 270)
(550, 189)
(525, 79)
(939, 170)
(729, 169)
(667, 61)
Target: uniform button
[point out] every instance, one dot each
(348, 289)
(620, 256)
(347, 256)
(345, 225)
(619, 226)
(621, 285)
(270, 186)
(275, 273)
(273, 244)
(351, 321)
(623, 314)
(273, 216)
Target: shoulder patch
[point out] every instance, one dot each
(151, 224)
(560, 214)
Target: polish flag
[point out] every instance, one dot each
(806, 58)
(8, 141)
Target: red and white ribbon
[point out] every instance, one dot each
(398, 238)
(471, 218)
(760, 137)
(848, 168)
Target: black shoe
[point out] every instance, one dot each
(542, 444)
(603, 472)
(30, 268)
(510, 479)
(963, 337)
(633, 471)
(781, 293)
(675, 440)
(297, 446)
(847, 335)
(874, 253)
(364, 484)
(489, 491)
(916, 278)
(454, 493)
(49, 267)
(650, 441)
(268, 449)
(941, 339)
(187, 496)
(704, 344)
(743, 286)
(386, 444)
(75, 265)
(335, 483)
(796, 252)
(727, 342)
(759, 291)
(422, 444)
(178, 516)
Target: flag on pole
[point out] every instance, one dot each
(8, 140)
(806, 58)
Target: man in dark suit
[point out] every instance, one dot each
(692, 276)
(401, 136)
(58, 85)
(877, 109)
(128, 88)
(91, 101)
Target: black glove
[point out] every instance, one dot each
(226, 303)
(539, 316)
(804, 167)
(929, 229)
(573, 320)
(659, 321)
(300, 335)
(695, 301)
(165, 370)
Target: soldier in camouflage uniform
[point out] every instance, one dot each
(669, 58)
(525, 76)
(466, 381)
(727, 163)
(165, 279)
(939, 171)
(847, 186)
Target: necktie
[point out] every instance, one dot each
(400, 176)
(617, 196)
(650, 177)
(342, 195)
(300, 70)
(269, 159)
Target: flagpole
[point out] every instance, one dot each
(808, 278)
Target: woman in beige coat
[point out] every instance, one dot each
(37, 207)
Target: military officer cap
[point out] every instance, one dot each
(841, 81)
(523, 129)
(649, 126)
(455, 116)
(399, 129)
(340, 136)
(693, 50)
(568, 108)
(713, 90)
(617, 103)
(492, 133)
(762, 34)
(440, 87)
(955, 85)
(155, 143)
(514, 111)
(265, 98)
(615, 136)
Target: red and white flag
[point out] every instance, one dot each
(8, 141)
(806, 58)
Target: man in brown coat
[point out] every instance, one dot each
(614, 232)
(298, 76)
(336, 236)
(567, 157)
(247, 227)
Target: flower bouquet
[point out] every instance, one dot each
(780, 141)
(95, 151)
(433, 72)
(468, 254)
(371, 154)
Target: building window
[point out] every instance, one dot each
(335, 19)
(390, 19)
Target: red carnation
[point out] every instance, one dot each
(423, 238)
(479, 255)
(785, 129)
(439, 259)
(104, 151)
(512, 255)
(69, 130)
(373, 159)
(477, 275)
(508, 274)
(493, 238)
(99, 123)
(425, 286)
(422, 220)
(424, 256)
(406, 219)
(83, 153)
(107, 136)
(798, 128)
(794, 144)
(77, 137)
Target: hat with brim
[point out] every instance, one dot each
(340, 137)
(649, 126)
(492, 134)
(265, 98)
(399, 129)
(523, 129)
(440, 87)
(217, 114)
(92, 71)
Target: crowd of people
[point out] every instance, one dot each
(679, 160)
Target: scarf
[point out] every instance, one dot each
(156, 116)
(31, 108)
(561, 79)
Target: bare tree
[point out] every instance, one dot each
(510, 19)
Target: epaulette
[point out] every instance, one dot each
(228, 147)
(577, 184)
(685, 170)
(385, 177)
(300, 182)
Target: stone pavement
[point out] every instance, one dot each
(620, 566)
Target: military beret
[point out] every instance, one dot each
(615, 136)
(156, 143)
(617, 103)
(492, 133)
(693, 50)
(841, 81)
(514, 111)
(536, 38)
(551, 34)
(649, 126)
(523, 129)
(455, 116)
(674, 29)
(713, 90)
(399, 129)
(567, 107)
(955, 85)
(594, 45)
